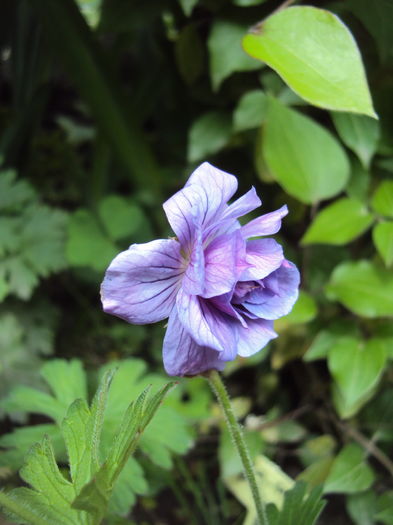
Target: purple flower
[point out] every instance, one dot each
(220, 290)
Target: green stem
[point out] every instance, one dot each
(22, 512)
(236, 433)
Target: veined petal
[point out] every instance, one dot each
(182, 355)
(194, 277)
(207, 325)
(224, 262)
(272, 302)
(257, 334)
(246, 203)
(264, 256)
(141, 283)
(267, 224)
(200, 202)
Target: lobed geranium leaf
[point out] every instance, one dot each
(364, 287)
(339, 223)
(301, 43)
(292, 145)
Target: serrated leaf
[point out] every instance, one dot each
(26, 507)
(298, 507)
(208, 134)
(359, 133)
(292, 145)
(383, 241)
(356, 366)
(226, 53)
(120, 217)
(250, 111)
(363, 287)
(350, 473)
(339, 223)
(382, 200)
(14, 194)
(316, 55)
(66, 379)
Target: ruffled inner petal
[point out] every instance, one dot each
(278, 295)
(207, 325)
(243, 205)
(183, 356)
(141, 283)
(264, 256)
(267, 224)
(224, 262)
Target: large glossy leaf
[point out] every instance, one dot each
(383, 241)
(292, 146)
(359, 133)
(226, 53)
(356, 367)
(350, 472)
(364, 287)
(314, 52)
(339, 223)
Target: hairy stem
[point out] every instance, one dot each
(236, 433)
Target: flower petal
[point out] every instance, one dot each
(207, 325)
(183, 356)
(194, 277)
(264, 256)
(278, 295)
(141, 283)
(246, 203)
(267, 224)
(224, 262)
(200, 202)
(253, 338)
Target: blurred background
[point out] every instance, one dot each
(106, 107)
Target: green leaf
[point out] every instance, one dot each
(226, 53)
(356, 367)
(66, 379)
(339, 223)
(208, 134)
(363, 287)
(361, 507)
(316, 55)
(120, 217)
(188, 6)
(359, 182)
(382, 200)
(383, 241)
(88, 245)
(189, 52)
(14, 194)
(350, 473)
(298, 507)
(385, 508)
(304, 311)
(248, 3)
(325, 339)
(292, 145)
(359, 133)
(250, 111)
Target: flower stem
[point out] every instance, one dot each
(236, 433)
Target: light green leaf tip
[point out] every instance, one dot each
(316, 55)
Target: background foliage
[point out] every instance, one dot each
(105, 108)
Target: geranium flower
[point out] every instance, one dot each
(220, 286)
